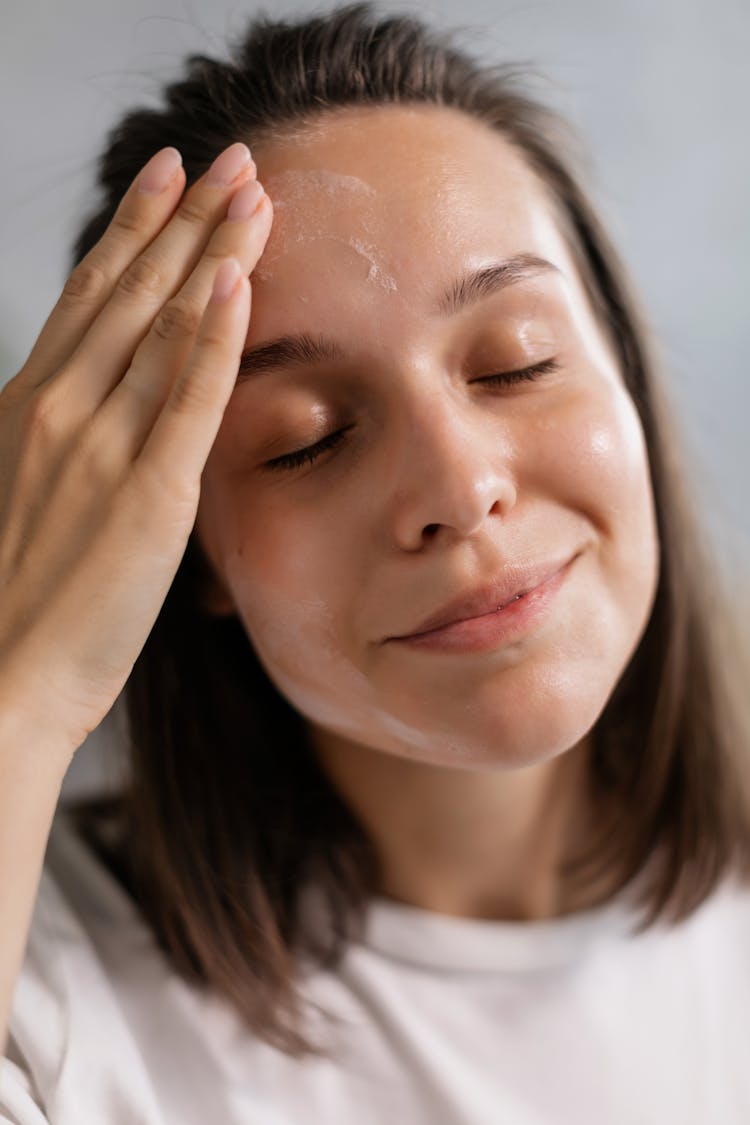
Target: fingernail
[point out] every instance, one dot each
(158, 172)
(228, 164)
(227, 276)
(245, 200)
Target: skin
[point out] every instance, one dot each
(469, 770)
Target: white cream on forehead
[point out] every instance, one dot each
(293, 185)
(290, 190)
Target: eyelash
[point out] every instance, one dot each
(503, 378)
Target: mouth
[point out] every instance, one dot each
(500, 625)
(513, 584)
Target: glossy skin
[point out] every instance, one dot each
(468, 768)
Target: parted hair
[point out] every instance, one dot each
(226, 814)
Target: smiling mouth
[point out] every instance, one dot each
(496, 626)
(482, 604)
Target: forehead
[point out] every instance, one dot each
(387, 202)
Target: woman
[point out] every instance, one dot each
(438, 806)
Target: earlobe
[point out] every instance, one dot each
(217, 601)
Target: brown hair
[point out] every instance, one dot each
(228, 814)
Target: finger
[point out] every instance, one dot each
(123, 422)
(241, 235)
(107, 439)
(139, 217)
(160, 482)
(153, 278)
(177, 448)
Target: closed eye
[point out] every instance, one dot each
(311, 452)
(523, 373)
(291, 460)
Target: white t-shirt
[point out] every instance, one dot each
(447, 1021)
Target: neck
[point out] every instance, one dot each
(468, 843)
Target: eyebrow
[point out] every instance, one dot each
(303, 350)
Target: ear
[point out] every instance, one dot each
(217, 601)
(215, 598)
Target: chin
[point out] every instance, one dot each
(515, 726)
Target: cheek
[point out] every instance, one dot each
(276, 566)
(295, 613)
(590, 458)
(595, 453)
(607, 475)
(282, 566)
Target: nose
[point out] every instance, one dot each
(453, 469)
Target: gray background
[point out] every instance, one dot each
(659, 90)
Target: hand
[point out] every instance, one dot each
(104, 434)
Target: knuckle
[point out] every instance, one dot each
(42, 415)
(12, 391)
(191, 394)
(141, 276)
(177, 320)
(192, 211)
(94, 457)
(126, 223)
(213, 344)
(153, 490)
(216, 251)
(86, 283)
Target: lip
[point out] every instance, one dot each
(514, 582)
(487, 631)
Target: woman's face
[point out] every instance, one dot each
(439, 479)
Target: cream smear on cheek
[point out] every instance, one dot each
(297, 197)
(300, 648)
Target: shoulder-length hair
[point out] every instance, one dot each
(227, 814)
